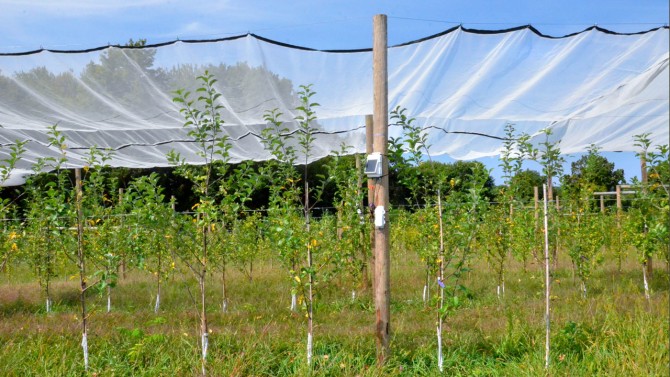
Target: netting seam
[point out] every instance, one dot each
(344, 51)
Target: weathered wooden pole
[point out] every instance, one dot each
(369, 122)
(365, 276)
(380, 140)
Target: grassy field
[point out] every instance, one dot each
(613, 332)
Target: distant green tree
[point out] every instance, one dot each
(457, 176)
(122, 74)
(525, 180)
(592, 170)
(248, 90)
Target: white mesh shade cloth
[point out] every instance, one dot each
(463, 86)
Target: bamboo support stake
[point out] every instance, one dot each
(224, 293)
(440, 360)
(202, 275)
(536, 199)
(554, 250)
(546, 281)
(310, 294)
(644, 177)
(82, 265)
(380, 136)
(123, 257)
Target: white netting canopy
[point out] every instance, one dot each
(463, 86)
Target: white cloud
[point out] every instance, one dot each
(193, 29)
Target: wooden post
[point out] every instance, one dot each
(381, 185)
(365, 281)
(371, 195)
(602, 203)
(618, 206)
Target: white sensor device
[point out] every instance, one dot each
(373, 165)
(380, 217)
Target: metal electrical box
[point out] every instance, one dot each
(373, 165)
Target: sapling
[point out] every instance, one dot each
(89, 202)
(550, 159)
(246, 232)
(585, 241)
(352, 246)
(7, 166)
(152, 216)
(463, 219)
(408, 176)
(502, 217)
(102, 231)
(235, 189)
(648, 220)
(416, 147)
(47, 211)
(498, 241)
(586, 235)
(438, 262)
(13, 236)
(524, 234)
(104, 239)
(413, 144)
(306, 120)
(499, 218)
(205, 126)
(95, 181)
(284, 194)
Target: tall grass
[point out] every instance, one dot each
(613, 332)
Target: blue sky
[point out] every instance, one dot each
(79, 24)
(346, 24)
